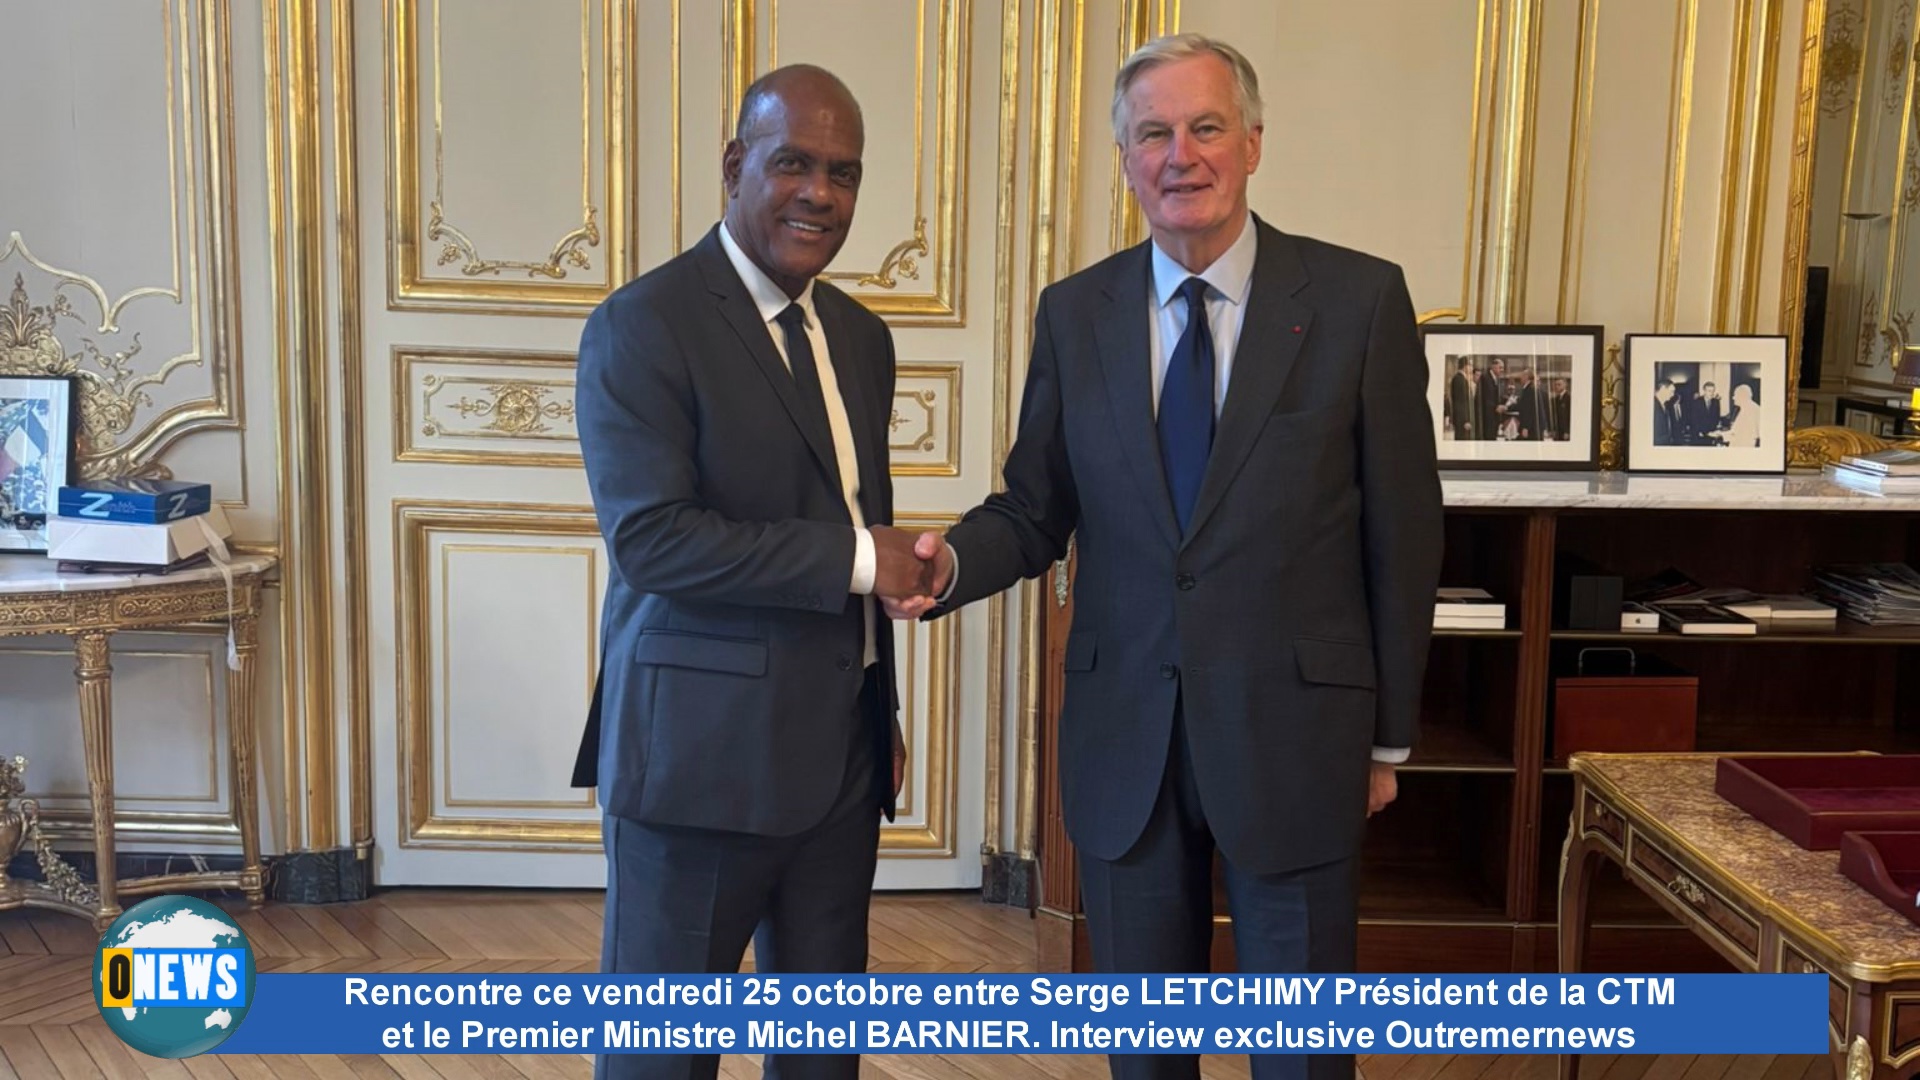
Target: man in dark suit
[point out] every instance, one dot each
(733, 417)
(1529, 408)
(1460, 408)
(1666, 415)
(1706, 415)
(1234, 423)
(1560, 409)
(1493, 401)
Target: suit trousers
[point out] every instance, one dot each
(687, 901)
(1151, 912)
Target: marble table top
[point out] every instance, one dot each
(1628, 491)
(23, 573)
(1676, 791)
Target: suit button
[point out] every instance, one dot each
(1168, 671)
(1185, 582)
(846, 664)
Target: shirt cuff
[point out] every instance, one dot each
(1392, 755)
(863, 563)
(953, 579)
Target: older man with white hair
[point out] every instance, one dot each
(1233, 420)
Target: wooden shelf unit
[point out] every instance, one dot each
(1461, 874)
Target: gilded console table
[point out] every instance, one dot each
(1753, 895)
(89, 609)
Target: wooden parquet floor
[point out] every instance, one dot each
(49, 1026)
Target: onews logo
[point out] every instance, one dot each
(174, 976)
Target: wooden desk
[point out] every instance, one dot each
(1753, 895)
(89, 608)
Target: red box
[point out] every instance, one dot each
(1636, 704)
(1812, 798)
(1886, 864)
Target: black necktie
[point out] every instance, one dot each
(806, 374)
(1186, 405)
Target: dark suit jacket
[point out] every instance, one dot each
(1704, 418)
(1532, 417)
(731, 665)
(1666, 426)
(1293, 621)
(1460, 403)
(1492, 392)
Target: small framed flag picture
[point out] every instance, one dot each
(38, 447)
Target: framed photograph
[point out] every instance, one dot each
(1706, 403)
(1514, 397)
(38, 414)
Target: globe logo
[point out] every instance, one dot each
(174, 976)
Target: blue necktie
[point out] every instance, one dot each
(1186, 405)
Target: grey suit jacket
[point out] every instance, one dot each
(731, 670)
(1292, 622)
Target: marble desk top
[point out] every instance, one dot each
(1632, 491)
(1676, 792)
(23, 573)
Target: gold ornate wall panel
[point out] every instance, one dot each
(924, 430)
(1866, 190)
(1848, 81)
(485, 407)
(1667, 158)
(441, 390)
(657, 75)
(483, 631)
(170, 738)
(297, 257)
(496, 602)
(508, 128)
(930, 703)
(906, 255)
(117, 226)
(1758, 189)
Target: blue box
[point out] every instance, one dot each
(140, 502)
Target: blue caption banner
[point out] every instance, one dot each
(1035, 1014)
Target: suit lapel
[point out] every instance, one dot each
(737, 307)
(1120, 332)
(1272, 329)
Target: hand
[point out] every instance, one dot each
(898, 573)
(899, 758)
(935, 561)
(1382, 787)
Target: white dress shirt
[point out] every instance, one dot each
(770, 300)
(1229, 281)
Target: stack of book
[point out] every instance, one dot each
(1878, 594)
(1702, 617)
(1779, 609)
(1888, 472)
(128, 526)
(1468, 609)
(1687, 607)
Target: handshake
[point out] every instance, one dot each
(910, 570)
